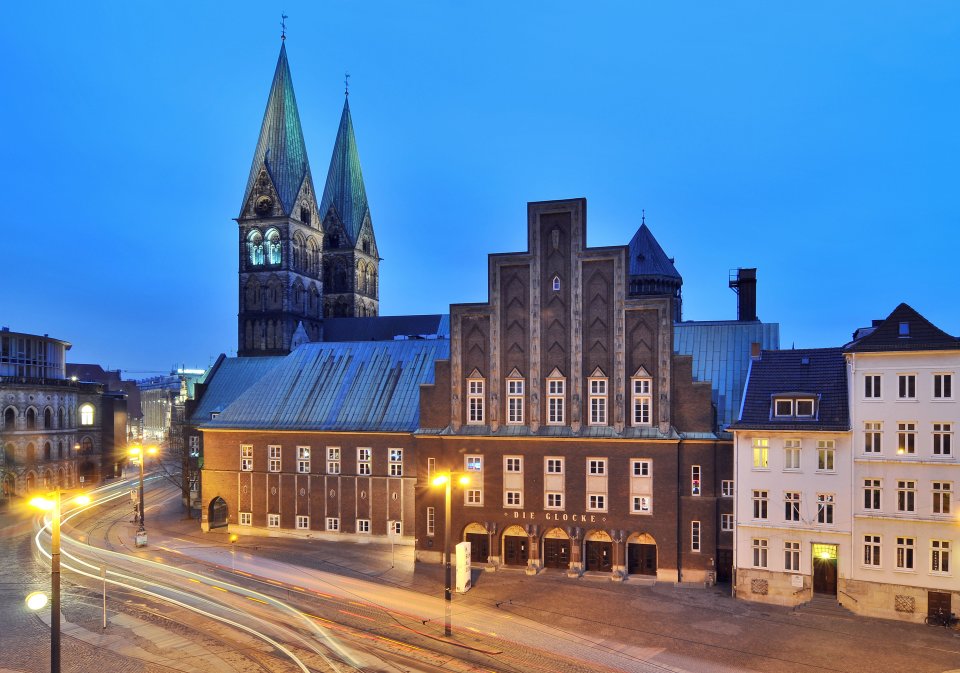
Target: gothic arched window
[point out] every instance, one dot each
(86, 446)
(31, 418)
(9, 419)
(273, 246)
(60, 419)
(86, 414)
(255, 248)
(47, 418)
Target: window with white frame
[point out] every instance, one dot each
(431, 468)
(333, 460)
(554, 465)
(943, 439)
(641, 468)
(273, 520)
(726, 488)
(641, 504)
(431, 521)
(303, 459)
(86, 414)
(513, 464)
(303, 522)
(906, 495)
(333, 523)
(555, 399)
(396, 528)
(642, 401)
(273, 453)
(695, 536)
(761, 453)
(905, 552)
(825, 502)
(907, 386)
(804, 408)
(826, 454)
(363, 526)
(791, 506)
(695, 480)
(871, 551)
(791, 556)
(246, 518)
(871, 494)
(942, 386)
(596, 466)
(475, 401)
(246, 457)
(791, 455)
(597, 400)
(396, 462)
(554, 500)
(597, 502)
(942, 491)
(871, 386)
(783, 407)
(906, 438)
(473, 463)
(514, 401)
(726, 522)
(364, 462)
(759, 552)
(760, 504)
(473, 497)
(513, 499)
(872, 436)
(940, 557)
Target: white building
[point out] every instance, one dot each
(903, 411)
(793, 469)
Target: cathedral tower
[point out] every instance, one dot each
(351, 269)
(280, 233)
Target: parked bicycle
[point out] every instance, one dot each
(941, 619)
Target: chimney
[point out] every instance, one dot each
(755, 350)
(744, 283)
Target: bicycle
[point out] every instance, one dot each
(941, 619)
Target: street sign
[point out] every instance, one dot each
(463, 567)
(141, 538)
(81, 480)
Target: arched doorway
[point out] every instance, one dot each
(9, 486)
(48, 479)
(599, 551)
(556, 549)
(516, 546)
(218, 512)
(61, 478)
(479, 539)
(641, 555)
(31, 481)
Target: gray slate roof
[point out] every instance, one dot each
(231, 378)
(721, 355)
(817, 372)
(369, 386)
(647, 258)
(344, 189)
(386, 327)
(922, 335)
(281, 146)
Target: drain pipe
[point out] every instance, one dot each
(679, 518)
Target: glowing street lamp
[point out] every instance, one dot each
(37, 600)
(141, 454)
(446, 480)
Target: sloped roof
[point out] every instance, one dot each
(280, 146)
(817, 372)
(386, 327)
(344, 189)
(228, 381)
(721, 355)
(348, 386)
(922, 335)
(647, 258)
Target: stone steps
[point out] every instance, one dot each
(827, 606)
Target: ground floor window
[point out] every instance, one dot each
(905, 548)
(246, 518)
(397, 528)
(273, 520)
(871, 551)
(333, 523)
(363, 525)
(431, 520)
(791, 556)
(759, 553)
(940, 556)
(303, 522)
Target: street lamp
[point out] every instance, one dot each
(141, 453)
(35, 601)
(447, 481)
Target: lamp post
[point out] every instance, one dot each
(446, 480)
(52, 505)
(136, 451)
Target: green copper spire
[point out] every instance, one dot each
(344, 189)
(280, 147)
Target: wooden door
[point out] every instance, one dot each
(642, 559)
(479, 547)
(938, 603)
(825, 576)
(600, 556)
(556, 553)
(515, 550)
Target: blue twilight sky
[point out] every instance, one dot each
(817, 141)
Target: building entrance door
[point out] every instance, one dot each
(642, 559)
(825, 569)
(938, 603)
(217, 513)
(556, 553)
(515, 550)
(724, 565)
(599, 556)
(479, 547)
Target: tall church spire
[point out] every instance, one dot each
(280, 148)
(344, 190)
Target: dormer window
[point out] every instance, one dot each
(904, 329)
(794, 407)
(804, 408)
(556, 283)
(783, 408)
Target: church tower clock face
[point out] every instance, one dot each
(263, 205)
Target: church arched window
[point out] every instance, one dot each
(255, 248)
(298, 250)
(273, 246)
(313, 257)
